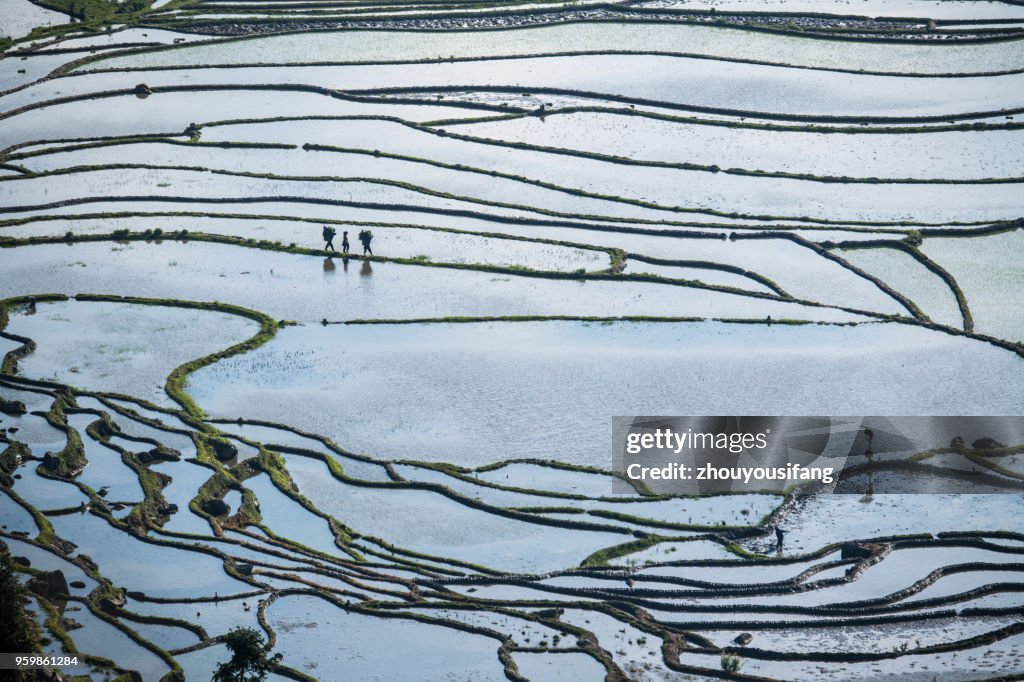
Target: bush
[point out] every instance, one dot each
(731, 663)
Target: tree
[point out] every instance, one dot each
(19, 633)
(248, 658)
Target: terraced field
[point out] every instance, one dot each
(395, 466)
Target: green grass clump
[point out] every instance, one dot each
(603, 556)
(68, 461)
(731, 663)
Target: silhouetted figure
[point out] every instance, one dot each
(329, 233)
(365, 237)
(779, 536)
(344, 241)
(31, 306)
(869, 435)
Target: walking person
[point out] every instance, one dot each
(344, 241)
(366, 237)
(329, 233)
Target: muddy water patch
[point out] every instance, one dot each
(635, 651)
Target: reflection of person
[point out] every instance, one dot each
(869, 492)
(329, 233)
(344, 241)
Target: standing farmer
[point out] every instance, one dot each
(329, 233)
(366, 237)
(344, 241)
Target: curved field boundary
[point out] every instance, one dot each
(176, 380)
(376, 94)
(932, 266)
(419, 189)
(76, 66)
(887, 30)
(922, 322)
(12, 155)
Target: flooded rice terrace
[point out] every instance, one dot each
(393, 464)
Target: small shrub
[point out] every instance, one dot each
(731, 663)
